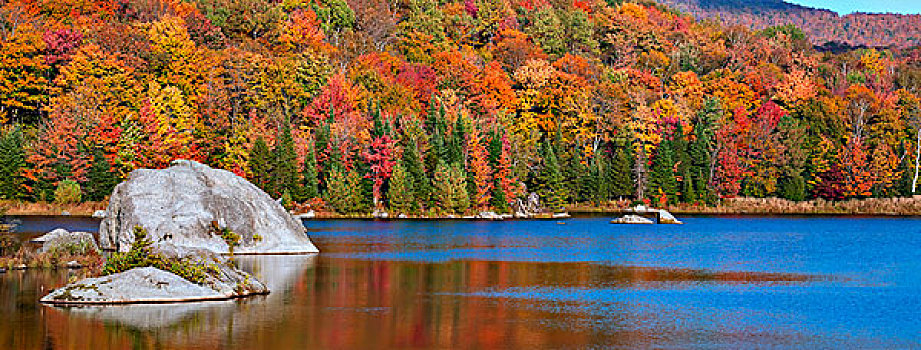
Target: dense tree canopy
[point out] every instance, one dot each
(448, 106)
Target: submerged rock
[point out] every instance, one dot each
(180, 203)
(632, 219)
(66, 241)
(220, 280)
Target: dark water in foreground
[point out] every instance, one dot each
(715, 282)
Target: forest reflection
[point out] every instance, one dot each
(352, 303)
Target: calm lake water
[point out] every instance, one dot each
(725, 282)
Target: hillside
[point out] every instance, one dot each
(821, 26)
(423, 106)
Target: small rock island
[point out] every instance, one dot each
(167, 231)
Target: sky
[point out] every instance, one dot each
(848, 6)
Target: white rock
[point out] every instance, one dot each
(180, 203)
(99, 214)
(73, 264)
(139, 285)
(308, 215)
(148, 284)
(632, 219)
(561, 215)
(63, 239)
(667, 218)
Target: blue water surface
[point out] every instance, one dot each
(860, 285)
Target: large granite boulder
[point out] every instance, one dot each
(148, 284)
(181, 204)
(61, 240)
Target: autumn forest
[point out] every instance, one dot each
(441, 106)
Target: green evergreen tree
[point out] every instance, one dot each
(344, 192)
(420, 182)
(100, 178)
(662, 174)
(260, 166)
(458, 141)
(550, 179)
(793, 187)
(12, 160)
(688, 192)
(400, 194)
(902, 186)
(621, 175)
(310, 176)
(451, 188)
(285, 171)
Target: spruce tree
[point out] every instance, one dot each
(688, 192)
(550, 179)
(100, 178)
(311, 181)
(285, 171)
(421, 185)
(401, 195)
(451, 188)
(12, 160)
(661, 173)
(260, 166)
(621, 175)
(344, 192)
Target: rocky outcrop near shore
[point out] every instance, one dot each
(217, 280)
(633, 220)
(66, 241)
(183, 203)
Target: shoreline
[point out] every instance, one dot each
(881, 207)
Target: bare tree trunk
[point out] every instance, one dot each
(640, 169)
(914, 181)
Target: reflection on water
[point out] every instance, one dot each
(716, 282)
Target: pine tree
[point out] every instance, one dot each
(598, 187)
(344, 192)
(621, 175)
(688, 192)
(12, 160)
(550, 179)
(285, 171)
(401, 195)
(661, 173)
(451, 188)
(100, 178)
(421, 185)
(311, 181)
(260, 166)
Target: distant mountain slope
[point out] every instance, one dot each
(822, 26)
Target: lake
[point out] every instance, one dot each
(716, 282)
